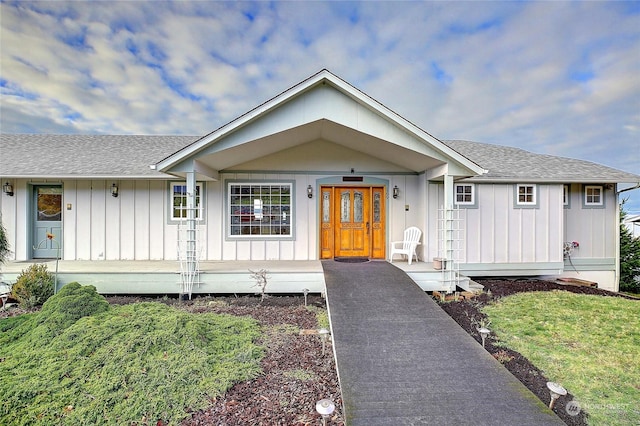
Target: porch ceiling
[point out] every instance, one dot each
(406, 158)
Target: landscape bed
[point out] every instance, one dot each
(470, 314)
(294, 374)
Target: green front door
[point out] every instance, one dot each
(47, 221)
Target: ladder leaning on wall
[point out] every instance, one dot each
(450, 245)
(189, 254)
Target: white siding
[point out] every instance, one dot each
(497, 232)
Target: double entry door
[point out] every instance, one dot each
(352, 221)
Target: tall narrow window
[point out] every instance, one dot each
(179, 200)
(565, 196)
(259, 209)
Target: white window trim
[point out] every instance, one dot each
(587, 203)
(200, 207)
(533, 203)
(227, 213)
(471, 203)
(566, 196)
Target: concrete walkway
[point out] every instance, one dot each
(403, 361)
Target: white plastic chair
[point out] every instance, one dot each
(407, 247)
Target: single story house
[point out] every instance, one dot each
(320, 171)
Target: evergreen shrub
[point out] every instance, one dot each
(33, 286)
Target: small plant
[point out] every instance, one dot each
(502, 356)
(33, 286)
(4, 244)
(261, 281)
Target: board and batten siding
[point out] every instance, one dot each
(498, 236)
(593, 228)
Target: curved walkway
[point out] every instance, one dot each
(403, 361)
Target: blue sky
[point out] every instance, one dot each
(558, 78)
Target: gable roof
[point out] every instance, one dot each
(322, 106)
(77, 156)
(510, 164)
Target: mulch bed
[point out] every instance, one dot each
(296, 375)
(464, 311)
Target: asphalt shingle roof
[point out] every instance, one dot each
(85, 155)
(515, 164)
(130, 156)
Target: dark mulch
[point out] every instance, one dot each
(467, 313)
(295, 374)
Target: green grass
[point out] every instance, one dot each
(133, 364)
(589, 344)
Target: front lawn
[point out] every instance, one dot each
(589, 344)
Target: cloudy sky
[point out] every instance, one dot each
(559, 78)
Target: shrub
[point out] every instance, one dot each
(4, 243)
(71, 303)
(33, 286)
(629, 257)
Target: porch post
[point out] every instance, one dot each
(191, 255)
(448, 216)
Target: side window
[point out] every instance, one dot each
(593, 196)
(465, 195)
(179, 201)
(526, 195)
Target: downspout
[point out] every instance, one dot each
(617, 230)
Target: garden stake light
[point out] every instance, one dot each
(324, 334)
(306, 292)
(556, 392)
(325, 408)
(484, 333)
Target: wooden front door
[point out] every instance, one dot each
(47, 220)
(352, 222)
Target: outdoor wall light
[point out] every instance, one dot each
(484, 333)
(556, 392)
(7, 188)
(114, 190)
(310, 191)
(324, 334)
(325, 407)
(396, 192)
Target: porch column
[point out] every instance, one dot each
(191, 243)
(448, 219)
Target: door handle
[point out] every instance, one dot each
(367, 227)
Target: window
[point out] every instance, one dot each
(179, 201)
(526, 195)
(260, 209)
(465, 194)
(593, 196)
(565, 196)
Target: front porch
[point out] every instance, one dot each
(215, 277)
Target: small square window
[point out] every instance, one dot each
(526, 195)
(464, 194)
(593, 195)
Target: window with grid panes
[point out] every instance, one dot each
(179, 201)
(526, 194)
(464, 194)
(260, 209)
